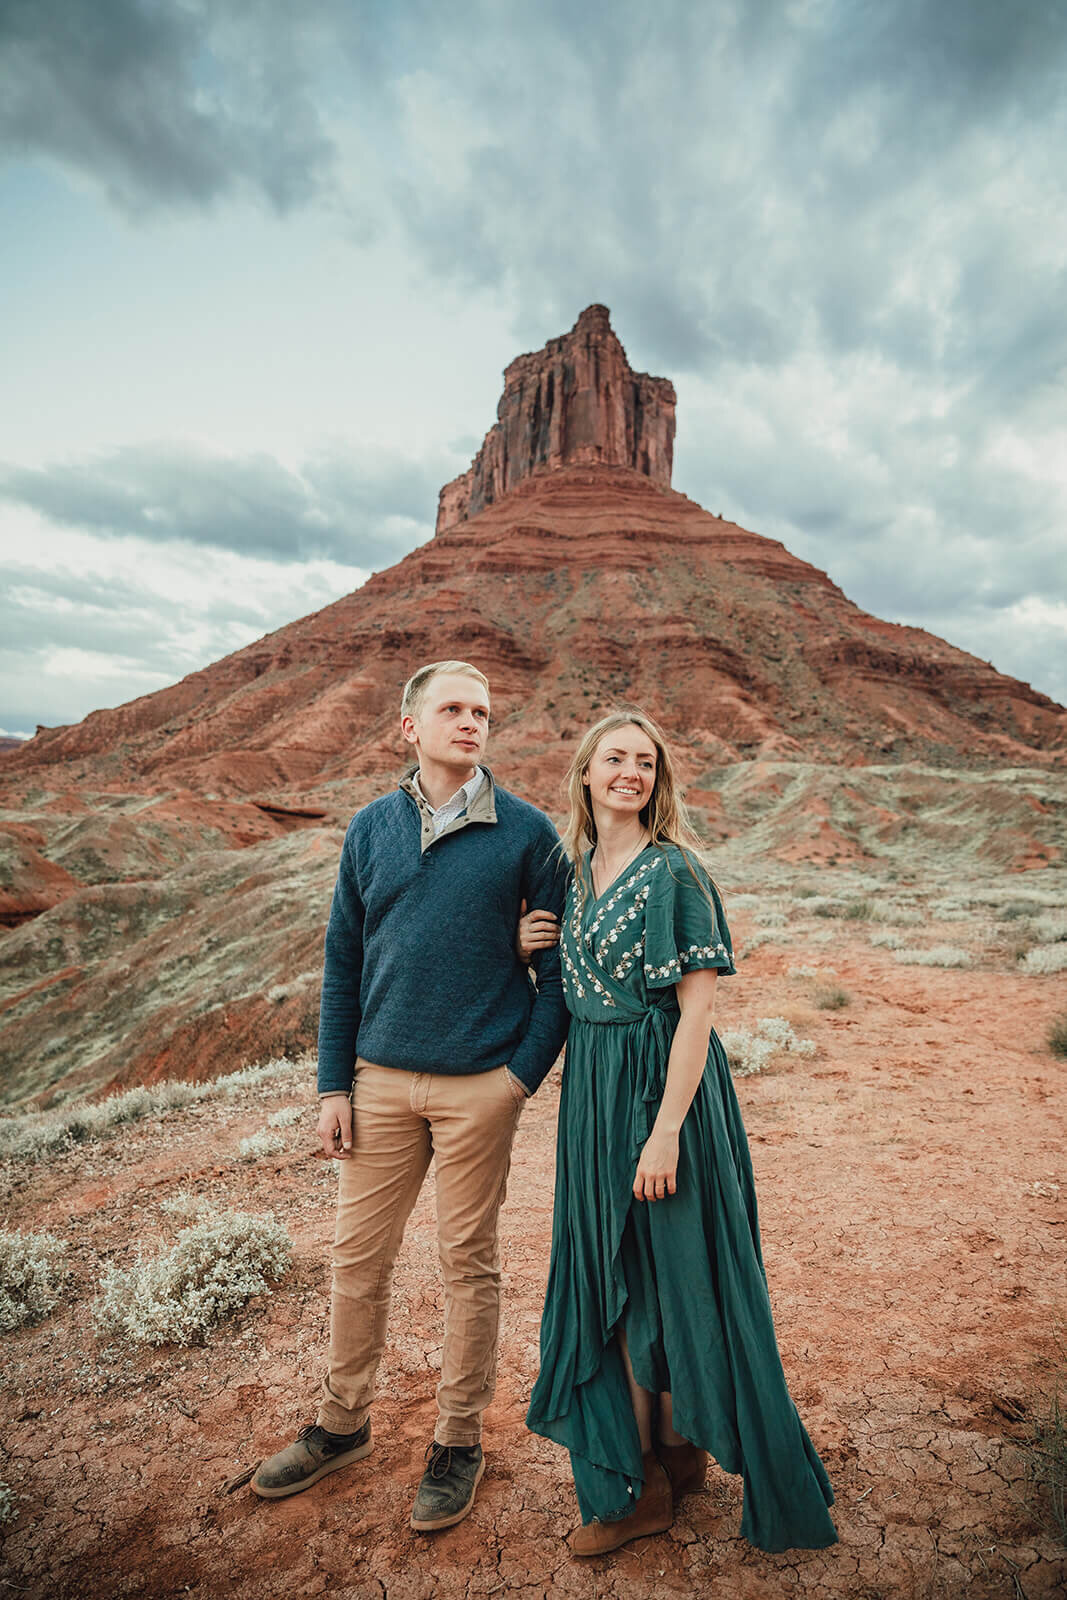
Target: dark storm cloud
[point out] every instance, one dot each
(360, 512)
(164, 105)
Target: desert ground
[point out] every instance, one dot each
(912, 1179)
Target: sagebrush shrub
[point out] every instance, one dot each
(32, 1274)
(1051, 927)
(1045, 958)
(832, 998)
(895, 915)
(748, 1051)
(258, 1145)
(36, 1133)
(939, 955)
(285, 1117)
(179, 1296)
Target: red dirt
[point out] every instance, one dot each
(913, 1196)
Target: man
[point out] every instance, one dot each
(431, 1037)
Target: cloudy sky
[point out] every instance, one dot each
(263, 265)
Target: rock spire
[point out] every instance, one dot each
(576, 401)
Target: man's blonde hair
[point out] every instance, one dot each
(417, 685)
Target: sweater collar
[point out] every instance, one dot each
(480, 808)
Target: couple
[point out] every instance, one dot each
(657, 1342)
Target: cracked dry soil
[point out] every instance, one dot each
(912, 1196)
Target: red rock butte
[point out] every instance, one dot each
(577, 402)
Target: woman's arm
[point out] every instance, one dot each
(657, 1168)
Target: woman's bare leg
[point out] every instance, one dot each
(640, 1399)
(665, 1427)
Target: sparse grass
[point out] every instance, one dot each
(8, 1507)
(1044, 1451)
(890, 939)
(258, 1145)
(32, 1275)
(1057, 1036)
(858, 911)
(939, 955)
(179, 1296)
(749, 1050)
(38, 1133)
(811, 972)
(831, 998)
(1045, 958)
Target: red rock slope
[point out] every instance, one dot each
(165, 917)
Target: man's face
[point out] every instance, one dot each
(452, 724)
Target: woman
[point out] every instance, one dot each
(657, 1342)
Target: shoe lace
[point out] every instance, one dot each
(440, 1458)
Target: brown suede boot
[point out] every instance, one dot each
(651, 1514)
(685, 1466)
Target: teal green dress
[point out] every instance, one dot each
(684, 1275)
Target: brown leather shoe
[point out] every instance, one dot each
(651, 1514)
(685, 1466)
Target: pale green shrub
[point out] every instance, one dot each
(37, 1133)
(812, 972)
(260, 1144)
(772, 919)
(749, 1051)
(1051, 927)
(949, 911)
(1045, 958)
(895, 916)
(32, 1275)
(212, 1270)
(8, 1508)
(286, 1117)
(890, 940)
(939, 955)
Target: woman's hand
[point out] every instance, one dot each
(657, 1167)
(537, 930)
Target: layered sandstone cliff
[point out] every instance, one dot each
(577, 401)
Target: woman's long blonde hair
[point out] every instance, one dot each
(665, 816)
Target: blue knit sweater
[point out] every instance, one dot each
(420, 968)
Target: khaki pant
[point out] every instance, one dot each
(401, 1119)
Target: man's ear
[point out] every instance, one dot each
(407, 728)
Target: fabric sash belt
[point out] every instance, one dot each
(654, 1029)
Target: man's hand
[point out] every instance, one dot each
(537, 930)
(335, 1126)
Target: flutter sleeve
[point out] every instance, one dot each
(685, 926)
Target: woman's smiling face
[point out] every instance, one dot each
(621, 774)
